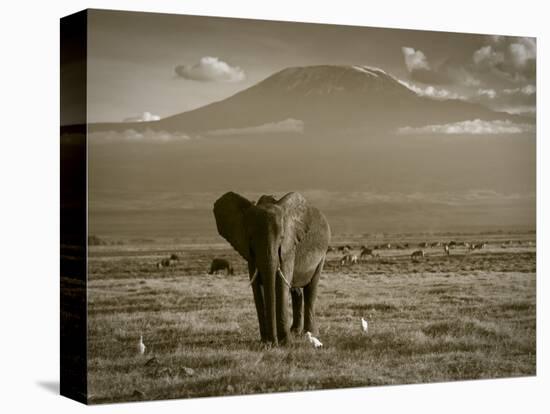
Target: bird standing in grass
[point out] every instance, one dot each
(314, 341)
(364, 325)
(141, 345)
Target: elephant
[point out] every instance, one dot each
(285, 243)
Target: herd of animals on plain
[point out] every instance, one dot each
(285, 243)
(348, 255)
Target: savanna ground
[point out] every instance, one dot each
(469, 315)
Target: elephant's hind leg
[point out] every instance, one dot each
(310, 295)
(297, 310)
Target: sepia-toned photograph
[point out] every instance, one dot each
(282, 206)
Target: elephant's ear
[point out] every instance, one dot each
(295, 219)
(229, 211)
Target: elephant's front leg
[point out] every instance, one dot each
(259, 302)
(297, 310)
(283, 331)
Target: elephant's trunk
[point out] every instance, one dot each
(268, 270)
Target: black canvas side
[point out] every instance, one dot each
(73, 56)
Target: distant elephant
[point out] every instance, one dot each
(285, 244)
(220, 264)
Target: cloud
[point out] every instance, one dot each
(144, 117)
(133, 136)
(526, 110)
(415, 59)
(489, 93)
(211, 69)
(526, 90)
(475, 127)
(419, 68)
(487, 57)
(512, 58)
(432, 91)
(523, 52)
(288, 125)
(507, 99)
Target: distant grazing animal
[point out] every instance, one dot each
(364, 325)
(466, 244)
(365, 251)
(175, 257)
(435, 244)
(452, 243)
(166, 263)
(349, 258)
(343, 249)
(141, 346)
(220, 265)
(423, 244)
(314, 341)
(417, 254)
(330, 249)
(477, 246)
(446, 249)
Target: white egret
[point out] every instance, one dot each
(141, 345)
(364, 325)
(314, 341)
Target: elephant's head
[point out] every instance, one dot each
(265, 234)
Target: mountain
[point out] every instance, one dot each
(322, 97)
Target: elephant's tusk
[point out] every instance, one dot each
(279, 270)
(283, 276)
(254, 276)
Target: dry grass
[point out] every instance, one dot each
(445, 318)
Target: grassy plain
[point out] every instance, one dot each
(463, 316)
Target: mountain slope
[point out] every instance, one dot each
(322, 97)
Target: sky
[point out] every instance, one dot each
(468, 175)
(148, 66)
